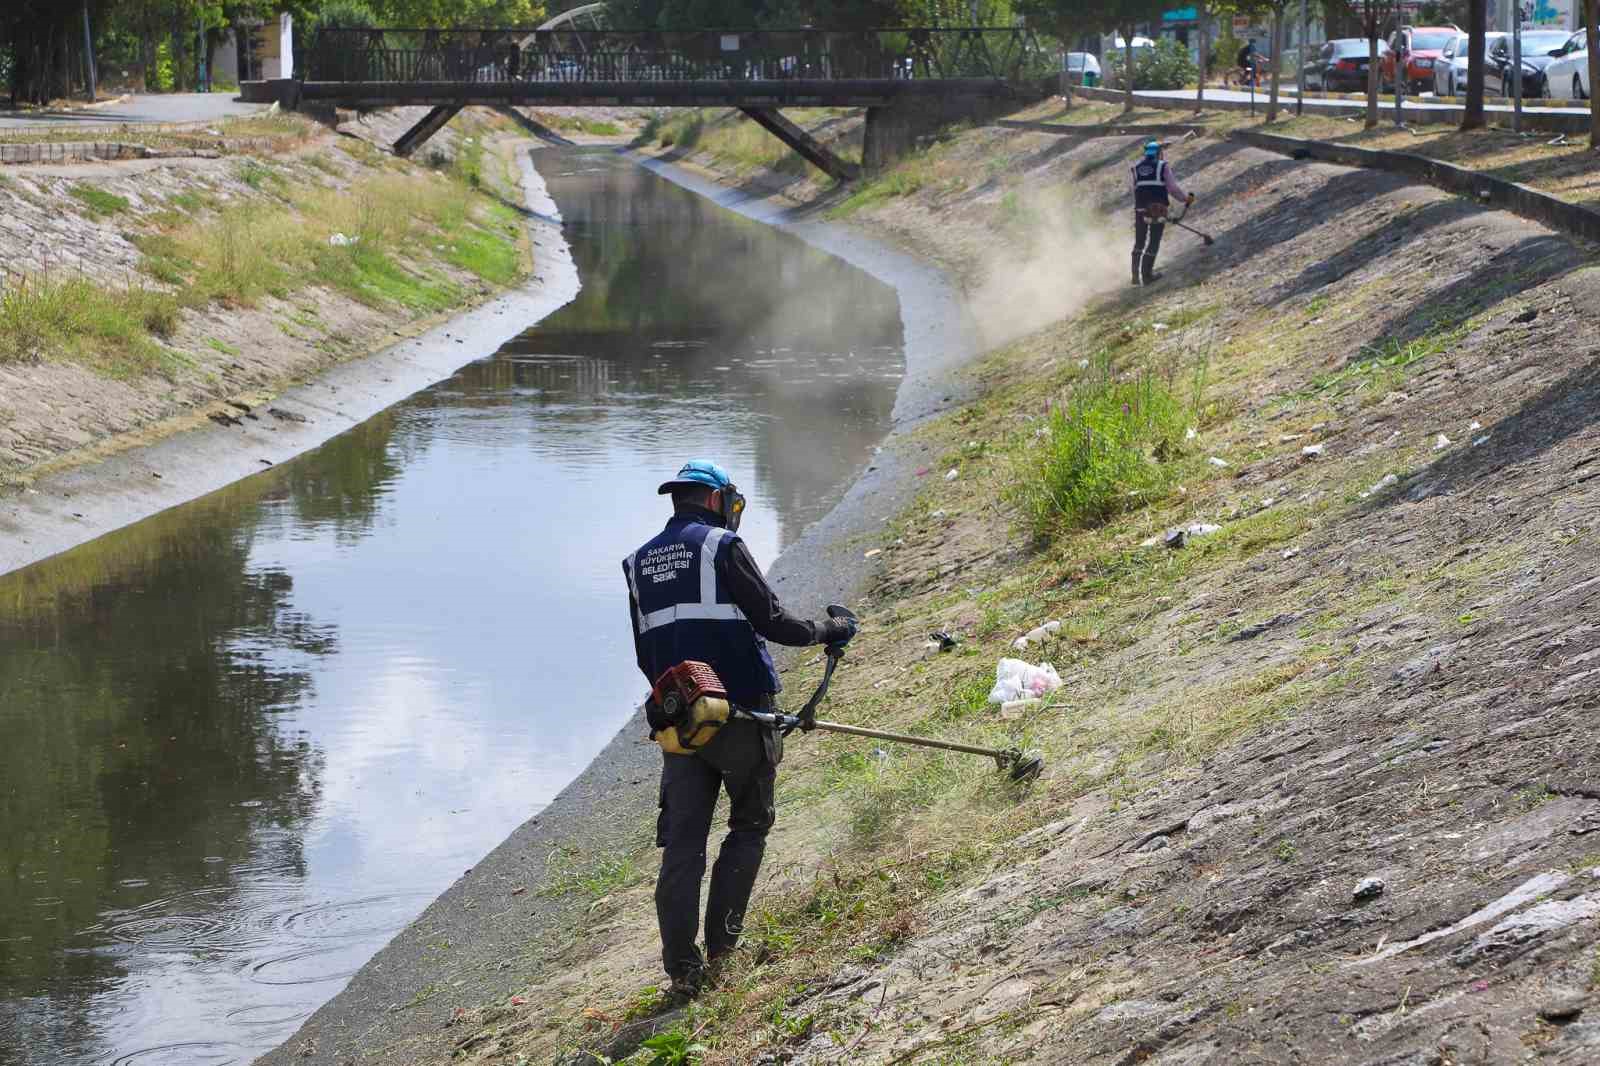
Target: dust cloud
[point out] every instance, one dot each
(1054, 255)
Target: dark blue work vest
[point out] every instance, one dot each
(685, 611)
(1149, 183)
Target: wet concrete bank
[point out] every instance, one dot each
(495, 919)
(64, 510)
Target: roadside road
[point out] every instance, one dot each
(139, 108)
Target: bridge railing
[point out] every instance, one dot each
(566, 55)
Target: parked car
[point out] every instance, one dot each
(1567, 76)
(1539, 49)
(1423, 46)
(1341, 66)
(1082, 68)
(1450, 70)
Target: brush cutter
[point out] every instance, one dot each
(1177, 220)
(1019, 765)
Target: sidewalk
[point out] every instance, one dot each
(163, 108)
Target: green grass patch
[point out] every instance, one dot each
(100, 204)
(569, 872)
(110, 330)
(1113, 446)
(1384, 366)
(903, 180)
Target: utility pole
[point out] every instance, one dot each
(88, 51)
(1300, 75)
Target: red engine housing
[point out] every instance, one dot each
(685, 683)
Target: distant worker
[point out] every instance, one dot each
(1154, 188)
(697, 599)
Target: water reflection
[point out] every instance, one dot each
(248, 739)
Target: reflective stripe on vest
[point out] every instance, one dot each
(708, 609)
(1158, 181)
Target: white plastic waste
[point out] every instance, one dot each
(1015, 680)
(1311, 451)
(952, 474)
(339, 240)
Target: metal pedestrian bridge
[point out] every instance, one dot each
(907, 77)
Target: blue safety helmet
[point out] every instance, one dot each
(705, 472)
(698, 472)
(1152, 148)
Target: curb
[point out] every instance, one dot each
(1533, 118)
(111, 151)
(1529, 203)
(1109, 130)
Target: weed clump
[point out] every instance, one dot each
(1112, 447)
(111, 330)
(98, 202)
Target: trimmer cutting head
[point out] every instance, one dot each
(1023, 765)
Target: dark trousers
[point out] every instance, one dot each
(1146, 243)
(743, 758)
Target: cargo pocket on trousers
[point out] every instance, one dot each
(772, 741)
(661, 818)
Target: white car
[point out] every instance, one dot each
(1082, 68)
(1450, 69)
(1568, 74)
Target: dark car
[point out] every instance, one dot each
(1341, 65)
(1539, 48)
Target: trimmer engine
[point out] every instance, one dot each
(687, 707)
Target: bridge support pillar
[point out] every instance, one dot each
(810, 149)
(431, 123)
(890, 134)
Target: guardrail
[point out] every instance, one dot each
(565, 55)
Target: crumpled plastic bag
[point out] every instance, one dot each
(1015, 680)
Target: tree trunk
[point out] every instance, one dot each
(1372, 71)
(1127, 69)
(1276, 59)
(1592, 41)
(147, 56)
(1477, 27)
(1205, 53)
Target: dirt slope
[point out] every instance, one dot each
(1447, 627)
(1322, 782)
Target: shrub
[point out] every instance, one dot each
(1166, 66)
(1110, 448)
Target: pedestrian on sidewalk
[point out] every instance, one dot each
(1154, 188)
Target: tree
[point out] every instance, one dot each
(1275, 54)
(1477, 28)
(1374, 14)
(1592, 10)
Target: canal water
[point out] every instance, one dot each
(247, 740)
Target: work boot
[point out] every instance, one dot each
(685, 987)
(1152, 278)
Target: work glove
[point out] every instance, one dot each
(838, 631)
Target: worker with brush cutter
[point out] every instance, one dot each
(1154, 188)
(702, 613)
